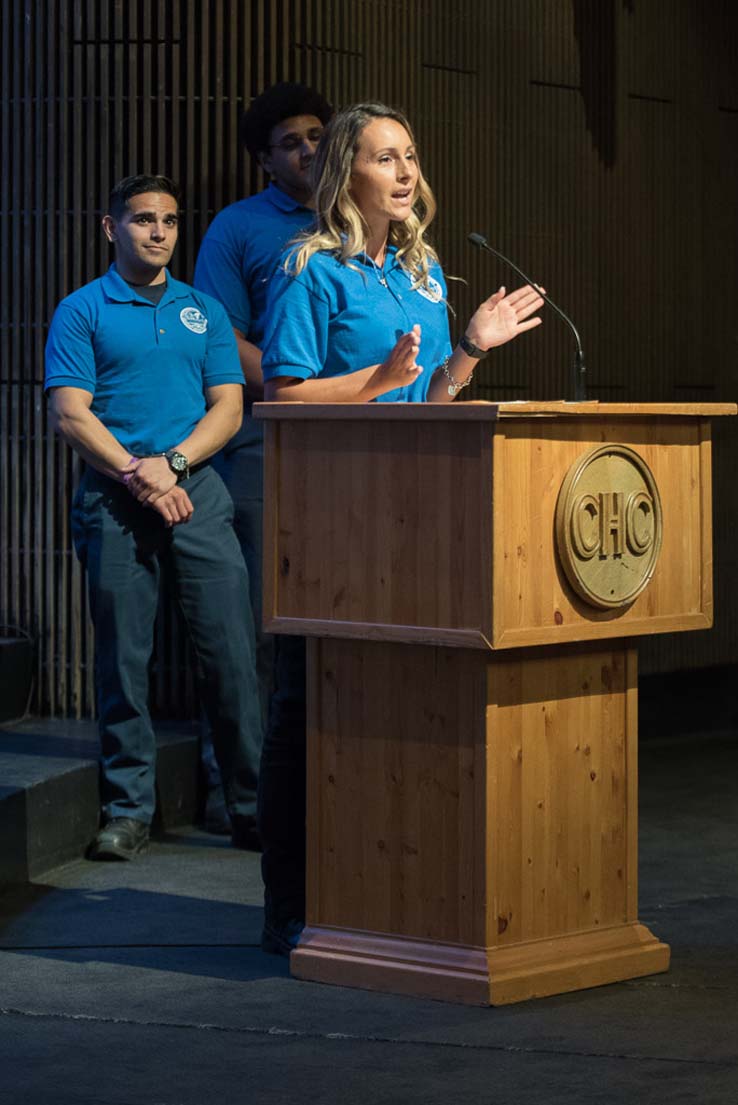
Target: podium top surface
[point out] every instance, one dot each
(481, 411)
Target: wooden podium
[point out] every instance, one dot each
(472, 579)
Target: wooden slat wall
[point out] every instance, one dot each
(596, 143)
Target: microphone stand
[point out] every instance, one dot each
(580, 370)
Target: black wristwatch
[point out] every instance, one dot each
(471, 349)
(179, 464)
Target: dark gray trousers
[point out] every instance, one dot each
(125, 548)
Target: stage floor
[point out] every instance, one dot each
(143, 983)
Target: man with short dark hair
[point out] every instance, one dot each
(144, 383)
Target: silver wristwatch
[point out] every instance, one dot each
(179, 464)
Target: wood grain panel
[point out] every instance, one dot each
(395, 780)
(533, 601)
(385, 525)
(560, 745)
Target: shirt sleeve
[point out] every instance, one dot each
(296, 334)
(219, 273)
(222, 364)
(70, 357)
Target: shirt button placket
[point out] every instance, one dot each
(398, 300)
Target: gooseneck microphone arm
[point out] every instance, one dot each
(580, 371)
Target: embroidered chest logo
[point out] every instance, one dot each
(433, 292)
(193, 319)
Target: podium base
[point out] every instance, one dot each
(478, 976)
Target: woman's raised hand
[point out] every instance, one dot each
(502, 317)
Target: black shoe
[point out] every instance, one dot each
(281, 939)
(121, 838)
(216, 819)
(244, 834)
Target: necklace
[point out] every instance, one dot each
(378, 269)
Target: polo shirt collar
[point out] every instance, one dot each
(281, 200)
(117, 289)
(390, 259)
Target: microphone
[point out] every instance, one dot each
(580, 371)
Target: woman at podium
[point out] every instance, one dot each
(358, 310)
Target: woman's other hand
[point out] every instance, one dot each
(400, 368)
(502, 317)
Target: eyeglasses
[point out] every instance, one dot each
(294, 142)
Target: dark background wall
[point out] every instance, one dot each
(596, 141)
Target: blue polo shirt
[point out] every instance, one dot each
(334, 318)
(237, 259)
(145, 365)
(240, 252)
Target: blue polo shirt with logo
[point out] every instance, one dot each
(237, 258)
(145, 365)
(334, 318)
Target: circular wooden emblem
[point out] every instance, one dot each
(608, 525)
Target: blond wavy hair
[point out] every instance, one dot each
(340, 226)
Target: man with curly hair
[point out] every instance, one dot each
(237, 258)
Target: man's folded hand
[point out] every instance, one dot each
(174, 506)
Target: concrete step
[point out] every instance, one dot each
(49, 797)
